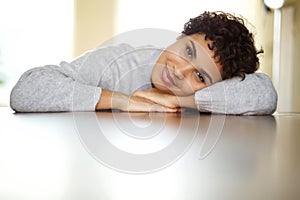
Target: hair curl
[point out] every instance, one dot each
(232, 42)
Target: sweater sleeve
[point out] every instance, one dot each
(49, 89)
(255, 95)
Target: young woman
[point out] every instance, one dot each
(210, 68)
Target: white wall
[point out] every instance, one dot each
(32, 33)
(171, 15)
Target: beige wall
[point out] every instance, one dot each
(289, 92)
(264, 36)
(94, 22)
(296, 74)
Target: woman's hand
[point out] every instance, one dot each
(167, 100)
(154, 95)
(116, 100)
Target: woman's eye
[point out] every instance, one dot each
(200, 76)
(189, 51)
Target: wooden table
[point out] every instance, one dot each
(115, 155)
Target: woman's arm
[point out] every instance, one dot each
(65, 87)
(75, 86)
(255, 95)
(53, 89)
(61, 88)
(116, 100)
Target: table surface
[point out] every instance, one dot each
(115, 155)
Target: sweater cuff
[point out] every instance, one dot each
(212, 99)
(85, 97)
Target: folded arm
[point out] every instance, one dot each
(49, 89)
(255, 95)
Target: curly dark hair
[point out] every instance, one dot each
(232, 42)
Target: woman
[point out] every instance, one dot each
(210, 68)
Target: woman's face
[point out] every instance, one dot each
(186, 67)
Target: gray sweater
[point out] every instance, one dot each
(77, 86)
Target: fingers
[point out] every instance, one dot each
(165, 100)
(160, 108)
(137, 104)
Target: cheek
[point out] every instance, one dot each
(156, 71)
(192, 86)
(186, 88)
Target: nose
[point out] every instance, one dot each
(181, 71)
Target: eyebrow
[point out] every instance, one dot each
(194, 49)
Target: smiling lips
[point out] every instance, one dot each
(166, 77)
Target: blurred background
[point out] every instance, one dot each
(38, 32)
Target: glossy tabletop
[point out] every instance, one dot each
(116, 155)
